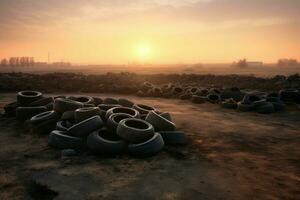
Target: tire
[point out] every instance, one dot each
(126, 103)
(214, 98)
(289, 95)
(110, 101)
(148, 148)
(44, 127)
(63, 125)
(166, 115)
(134, 113)
(229, 104)
(85, 127)
(24, 98)
(243, 107)
(251, 98)
(114, 119)
(48, 115)
(50, 106)
(97, 101)
(278, 106)
(63, 105)
(59, 140)
(10, 109)
(174, 137)
(142, 109)
(106, 107)
(160, 123)
(85, 99)
(85, 113)
(89, 105)
(199, 99)
(259, 103)
(25, 113)
(99, 143)
(135, 130)
(42, 102)
(68, 115)
(267, 108)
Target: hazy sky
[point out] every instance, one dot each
(157, 31)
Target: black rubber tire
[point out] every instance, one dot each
(106, 107)
(10, 109)
(259, 103)
(174, 137)
(134, 113)
(25, 113)
(113, 121)
(199, 99)
(126, 103)
(289, 95)
(267, 108)
(229, 104)
(135, 130)
(142, 109)
(85, 113)
(42, 102)
(59, 140)
(160, 123)
(243, 107)
(44, 127)
(24, 98)
(48, 115)
(213, 98)
(110, 101)
(85, 127)
(186, 96)
(85, 99)
(166, 115)
(148, 148)
(97, 143)
(97, 101)
(63, 105)
(68, 115)
(251, 98)
(63, 125)
(50, 106)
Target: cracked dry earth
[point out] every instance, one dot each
(231, 155)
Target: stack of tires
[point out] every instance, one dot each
(105, 126)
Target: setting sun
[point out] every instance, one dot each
(143, 51)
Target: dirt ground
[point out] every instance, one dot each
(231, 155)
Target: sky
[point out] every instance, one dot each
(152, 31)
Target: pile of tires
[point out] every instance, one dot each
(107, 126)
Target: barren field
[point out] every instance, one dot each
(230, 155)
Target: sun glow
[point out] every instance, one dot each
(143, 52)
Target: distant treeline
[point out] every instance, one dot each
(130, 83)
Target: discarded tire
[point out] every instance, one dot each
(160, 123)
(114, 119)
(59, 139)
(229, 104)
(42, 102)
(289, 95)
(62, 126)
(63, 105)
(214, 98)
(85, 127)
(174, 137)
(166, 115)
(68, 115)
(251, 98)
(48, 115)
(143, 109)
(135, 130)
(85, 113)
(267, 108)
(125, 103)
(24, 98)
(97, 101)
(25, 113)
(147, 148)
(110, 101)
(244, 107)
(85, 99)
(103, 142)
(134, 113)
